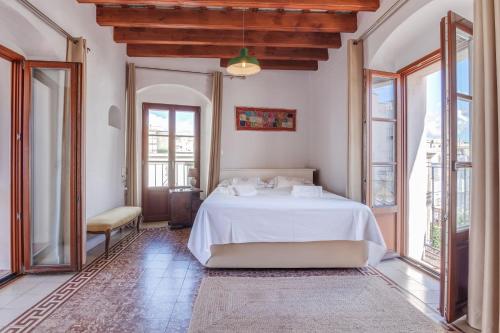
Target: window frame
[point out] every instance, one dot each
(172, 109)
(368, 122)
(388, 217)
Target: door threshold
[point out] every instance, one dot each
(7, 279)
(421, 267)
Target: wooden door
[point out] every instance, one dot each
(14, 160)
(171, 146)
(456, 44)
(51, 157)
(383, 153)
(157, 170)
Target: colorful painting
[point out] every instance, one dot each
(261, 119)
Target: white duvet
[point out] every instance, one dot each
(274, 215)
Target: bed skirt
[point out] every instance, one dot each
(321, 254)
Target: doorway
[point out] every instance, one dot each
(424, 162)
(40, 150)
(170, 155)
(426, 183)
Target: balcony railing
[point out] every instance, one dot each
(158, 173)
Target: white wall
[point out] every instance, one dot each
(328, 95)
(407, 36)
(413, 32)
(240, 149)
(104, 147)
(5, 117)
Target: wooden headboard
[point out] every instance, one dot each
(267, 174)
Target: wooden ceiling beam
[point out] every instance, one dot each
(193, 51)
(290, 65)
(226, 37)
(186, 18)
(331, 5)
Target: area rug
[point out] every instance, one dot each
(305, 304)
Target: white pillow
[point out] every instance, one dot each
(283, 182)
(254, 181)
(228, 190)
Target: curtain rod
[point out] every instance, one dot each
(187, 72)
(46, 19)
(382, 19)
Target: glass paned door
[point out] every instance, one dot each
(51, 167)
(6, 241)
(456, 46)
(382, 153)
(171, 136)
(158, 148)
(186, 149)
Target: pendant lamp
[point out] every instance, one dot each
(244, 64)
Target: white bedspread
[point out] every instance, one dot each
(276, 216)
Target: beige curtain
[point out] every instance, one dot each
(484, 263)
(131, 193)
(76, 51)
(355, 119)
(215, 143)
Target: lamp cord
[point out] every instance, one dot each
(244, 10)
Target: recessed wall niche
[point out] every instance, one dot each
(115, 117)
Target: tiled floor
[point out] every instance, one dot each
(20, 295)
(419, 284)
(167, 280)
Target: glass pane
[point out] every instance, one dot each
(184, 148)
(184, 123)
(157, 174)
(158, 122)
(51, 167)
(463, 198)
(181, 173)
(383, 98)
(383, 141)
(158, 148)
(464, 64)
(464, 130)
(5, 159)
(383, 184)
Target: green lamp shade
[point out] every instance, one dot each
(244, 64)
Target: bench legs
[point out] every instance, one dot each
(138, 222)
(108, 237)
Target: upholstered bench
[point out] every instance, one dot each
(113, 219)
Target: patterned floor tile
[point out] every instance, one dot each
(149, 283)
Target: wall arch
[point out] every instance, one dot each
(167, 93)
(26, 37)
(412, 33)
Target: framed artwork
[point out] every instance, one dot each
(263, 119)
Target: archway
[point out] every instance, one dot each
(179, 95)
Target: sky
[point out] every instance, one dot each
(158, 120)
(433, 116)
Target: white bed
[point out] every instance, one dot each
(276, 230)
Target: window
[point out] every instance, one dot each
(382, 124)
(172, 143)
(382, 153)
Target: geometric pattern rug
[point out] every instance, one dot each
(149, 283)
(344, 304)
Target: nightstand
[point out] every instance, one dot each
(184, 204)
